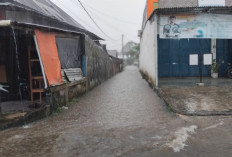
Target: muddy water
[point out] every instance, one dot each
(121, 117)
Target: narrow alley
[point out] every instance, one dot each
(121, 117)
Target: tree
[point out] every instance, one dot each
(131, 52)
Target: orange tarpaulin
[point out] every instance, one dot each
(150, 7)
(48, 51)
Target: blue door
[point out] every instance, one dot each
(224, 55)
(173, 57)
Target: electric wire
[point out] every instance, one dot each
(94, 21)
(111, 26)
(72, 13)
(102, 13)
(107, 23)
(115, 45)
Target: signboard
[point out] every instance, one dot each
(196, 26)
(193, 59)
(203, 3)
(208, 58)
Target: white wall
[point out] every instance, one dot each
(148, 50)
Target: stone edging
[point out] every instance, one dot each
(202, 113)
(28, 118)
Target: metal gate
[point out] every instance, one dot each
(224, 55)
(173, 57)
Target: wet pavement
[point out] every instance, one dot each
(121, 117)
(206, 100)
(184, 96)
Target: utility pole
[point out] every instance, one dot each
(122, 47)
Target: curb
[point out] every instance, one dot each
(33, 116)
(201, 113)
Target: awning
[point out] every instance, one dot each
(48, 51)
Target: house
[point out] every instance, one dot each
(182, 38)
(44, 53)
(113, 53)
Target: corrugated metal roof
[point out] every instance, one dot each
(208, 9)
(48, 9)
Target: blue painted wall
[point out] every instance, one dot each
(83, 66)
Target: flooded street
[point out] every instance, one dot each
(121, 117)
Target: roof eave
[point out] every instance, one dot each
(206, 9)
(83, 31)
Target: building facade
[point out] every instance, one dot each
(44, 53)
(183, 38)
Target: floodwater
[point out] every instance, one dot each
(121, 117)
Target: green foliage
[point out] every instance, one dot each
(130, 61)
(169, 109)
(216, 65)
(74, 100)
(133, 54)
(58, 109)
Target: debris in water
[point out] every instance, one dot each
(26, 126)
(182, 136)
(15, 137)
(64, 107)
(214, 126)
(157, 137)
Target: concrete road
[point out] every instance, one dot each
(121, 117)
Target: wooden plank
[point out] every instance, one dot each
(37, 77)
(3, 78)
(66, 85)
(34, 60)
(41, 63)
(64, 78)
(38, 90)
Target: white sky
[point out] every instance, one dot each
(115, 17)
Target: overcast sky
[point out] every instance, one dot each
(115, 17)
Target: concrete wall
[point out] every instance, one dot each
(100, 66)
(183, 3)
(61, 95)
(148, 51)
(117, 65)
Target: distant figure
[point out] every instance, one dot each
(172, 29)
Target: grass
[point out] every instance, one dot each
(169, 109)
